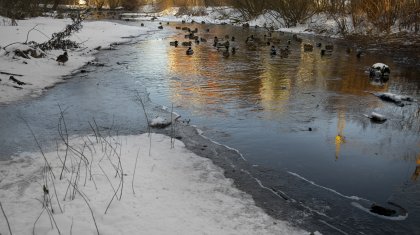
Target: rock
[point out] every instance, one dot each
(382, 210)
(379, 70)
(396, 99)
(376, 117)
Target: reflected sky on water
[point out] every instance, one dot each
(304, 113)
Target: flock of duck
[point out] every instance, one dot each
(227, 45)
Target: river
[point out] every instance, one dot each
(298, 121)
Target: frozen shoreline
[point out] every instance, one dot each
(173, 190)
(42, 73)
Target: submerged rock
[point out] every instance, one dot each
(376, 117)
(380, 210)
(394, 98)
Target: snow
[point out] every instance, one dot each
(377, 117)
(43, 73)
(169, 191)
(159, 122)
(379, 66)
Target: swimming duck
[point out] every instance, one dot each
(187, 44)
(273, 51)
(226, 53)
(308, 47)
(189, 51)
(215, 41)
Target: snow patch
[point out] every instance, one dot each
(169, 191)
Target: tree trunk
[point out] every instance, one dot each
(56, 2)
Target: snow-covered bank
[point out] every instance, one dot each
(41, 73)
(170, 191)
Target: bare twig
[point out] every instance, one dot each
(39, 216)
(90, 208)
(27, 35)
(66, 139)
(39, 146)
(7, 221)
(13, 74)
(134, 172)
(52, 218)
(172, 127)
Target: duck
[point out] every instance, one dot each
(187, 44)
(189, 51)
(215, 41)
(174, 43)
(62, 58)
(284, 52)
(329, 47)
(225, 44)
(226, 53)
(160, 27)
(308, 47)
(273, 51)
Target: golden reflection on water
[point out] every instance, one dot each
(339, 138)
(208, 83)
(416, 172)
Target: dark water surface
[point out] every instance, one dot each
(299, 120)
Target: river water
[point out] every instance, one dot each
(299, 121)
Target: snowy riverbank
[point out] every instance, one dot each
(111, 185)
(170, 191)
(41, 73)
